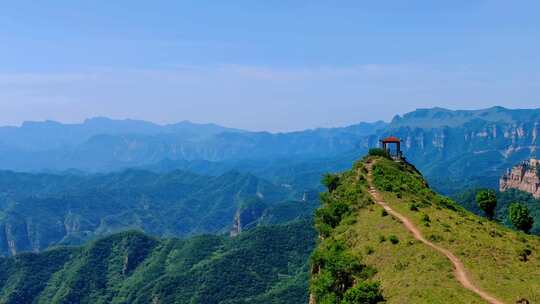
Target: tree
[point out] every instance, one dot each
(331, 181)
(368, 293)
(378, 152)
(520, 218)
(487, 201)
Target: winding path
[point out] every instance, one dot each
(459, 270)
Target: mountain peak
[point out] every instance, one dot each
(381, 218)
(439, 117)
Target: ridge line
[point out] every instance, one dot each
(460, 272)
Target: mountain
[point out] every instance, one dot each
(50, 135)
(454, 149)
(292, 172)
(41, 210)
(102, 144)
(440, 117)
(385, 235)
(264, 265)
(460, 149)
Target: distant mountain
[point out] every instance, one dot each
(265, 265)
(440, 117)
(50, 135)
(458, 149)
(298, 173)
(41, 210)
(103, 145)
(454, 149)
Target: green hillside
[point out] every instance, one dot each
(366, 253)
(42, 210)
(264, 265)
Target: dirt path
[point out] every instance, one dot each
(459, 270)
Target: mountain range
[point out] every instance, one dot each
(103, 144)
(126, 211)
(38, 211)
(454, 149)
(265, 265)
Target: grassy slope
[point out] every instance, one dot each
(487, 249)
(410, 272)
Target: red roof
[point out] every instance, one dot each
(391, 139)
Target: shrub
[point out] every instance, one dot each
(384, 213)
(331, 181)
(378, 152)
(338, 270)
(413, 207)
(520, 218)
(435, 238)
(524, 254)
(365, 293)
(330, 215)
(447, 203)
(393, 239)
(382, 239)
(369, 250)
(426, 220)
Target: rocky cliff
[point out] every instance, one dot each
(457, 149)
(524, 177)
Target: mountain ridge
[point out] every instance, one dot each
(42, 210)
(365, 253)
(264, 265)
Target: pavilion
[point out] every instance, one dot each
(396, 153)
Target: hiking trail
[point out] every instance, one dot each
(459, 269)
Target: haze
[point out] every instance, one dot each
(269, 65)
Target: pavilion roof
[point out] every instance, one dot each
(391, 139)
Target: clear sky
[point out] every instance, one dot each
(264, 65)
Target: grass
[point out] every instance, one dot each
(409, 271)
(501, 261)
(489, 251)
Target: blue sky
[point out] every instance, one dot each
(264, 65)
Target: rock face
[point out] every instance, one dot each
(524, 177)
(246, 215)
(457, 149)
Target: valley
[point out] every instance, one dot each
(270, 152)
(113, 183)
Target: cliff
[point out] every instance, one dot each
(457, 149)
(524, 177)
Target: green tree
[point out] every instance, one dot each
(331, 181)
(520, 218)
(378, 152)
(365, 293)
(487, 201)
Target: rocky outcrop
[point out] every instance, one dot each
(524, 177)
(247, 215)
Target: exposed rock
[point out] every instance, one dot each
(524, 177)
(246, 215)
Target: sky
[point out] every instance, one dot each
(264, 65)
